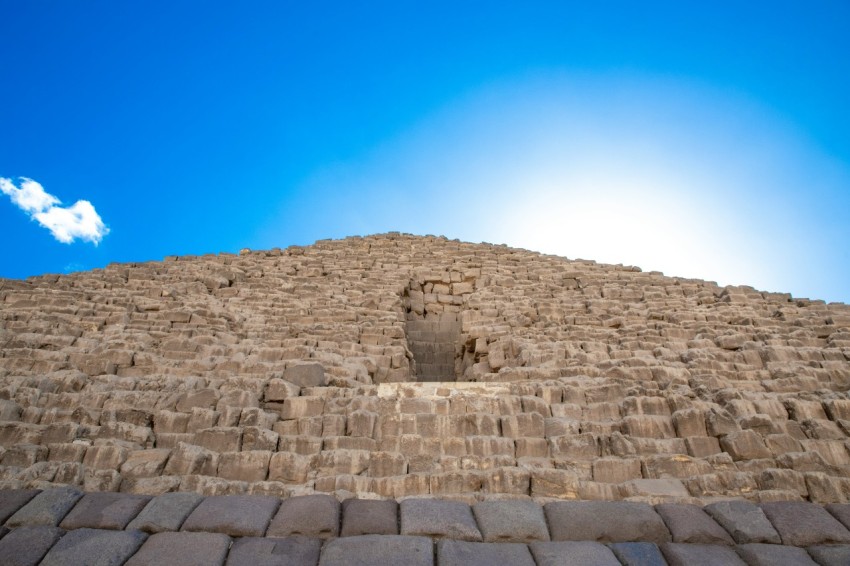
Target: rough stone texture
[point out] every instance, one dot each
(185, 549)
(439, 519)
(605, 521)
(511, 521)
(840, 512)
(805, 524)
(309, 515)
(745, 521)
(830, 555)
(26, 546)
(689, 523)
(772, 554)
(678, 554)
(368, 517)
(47, 508)
(461, 553)
(571, 554)
(638, 553)
(165, 512)
(378, 549)
(13, 499)
(94, 547)
(104, 511)
(238, 516)
(292, 551)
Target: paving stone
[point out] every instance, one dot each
(234, 515)
(104, 511)
(689, 523)
(680, 554)
(28, 545)
(570, 553)
(773, 554)
(166, 512)
(308, 515)
(463, 553)
(831, 555)
(605, 521)
(185, 549)
(13, 499)
(745, 521)
(369, 517)
(511, 520)
(47, 508)
(270, 551)
(94, 547)
(638, 553)
(369, 550)
(438, 518)
(804, 524)
(840, 511)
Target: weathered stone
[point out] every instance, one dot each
(638, 553)
(570, 553)
(462, 553)
(26, 546)
(511, 521)
(369, 517)
(679, 554)
(165, 512)
(94, 547)
(186, 549)
(772, 554)
(804, 524)
(605, 521)
(305, 375)
(234, 515)
(690, 524)
(378, 549)
(309, 515)
(13, 499)
(438, 519)
(104, 511)
(830, 554)
(47, 508)
(745, 521)
(294, 551)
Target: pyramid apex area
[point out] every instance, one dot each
(394, 366)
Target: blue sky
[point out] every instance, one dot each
(701, 140)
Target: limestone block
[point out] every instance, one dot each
(249, 465)
(800, 410)
(489, 446)
(456, 482)
(744, 445)
(256, 438)
(616, 470)
(306, 375)
(279, 390)
(338, 462)
(674, 466)
(305, 445)
(188, 459)
(533, 404)
(201, 418)
(298, 407)
(384, 464)
(524, 425)
(66, 452)
(105, 457)
(833, 451)
(254, 416)
(138, 435)
(561, 484)
(531, 447)
(219, 439)
(689, 423)
(201, 398)
(144, 463)
(311, 426)
(560, 426)
(645, 406)
(349, 443)
(719, 422)
(24, 455)
(361, 423)
(821, 429)
(648, 426)
(578, 447)
(781, 443)
(569, 410)
(101, 480)
(838, 409)
(170, 421)
(403, 486)
(702, 446)
(827, 489)
(289, 467)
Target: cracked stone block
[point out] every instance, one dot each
(638, 553)
(680, 554)
(26, 546)
(369, 517)
(378, 549)
(463, 553)
(186, 549)
(830, 554)
(270, 551)
(94, 547)
(47, 508)
(772, 554)
(805, 524)
(234, 515)
(439, 519)
(166, 512)
(605, 521)
(104, 511)
(511, 520)
(572, 553)
(308, 515)
(689, 523)
(13, 499)
(745, 521)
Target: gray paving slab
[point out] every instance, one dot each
(438, 519)
(233, 515)
(681, 554)
(13, 499)
(371, 550)
(638, 553)
(94, 547)
(805, 524)
(758, 554)
(511, 521)
(47, 508)
(307, 515)
(745, 521)
(26, 546)
(185, 549)
(572, 553)
(605, 521)
(689, 523)
(463, 553)
(840, 511)
(270, 551)
(831, 554)
(369, 517)
(166, 512)
(105, 510)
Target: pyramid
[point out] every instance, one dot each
(407, 371)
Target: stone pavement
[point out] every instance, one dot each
(64, 526)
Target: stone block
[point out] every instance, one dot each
(571, 553)
(249, 466)
(378, 549)
(744, 521)
(638, 553)
(462, 553)
(47, 508)
(104, 511)
(605, 521)
(830, 554)
(289, 467)
(26, 546)
(95, 547)
(315, 516)
(679, 554)
(233, 515)
(511, 521)
(438, 518)
(105, 457)
(13, 499)
(805, 524)
(306, 375)
(145, 463)
(166, 512)
(690, 524)
(188, 459)
(562, 484)
(294, 551)
(369, 517)
(744, 445)
(702, 446)
(648, 426)
(689, 422)
(186, 549)
(219, 439)
(772, 554)
(300, 407)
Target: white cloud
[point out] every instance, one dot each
(78, 221)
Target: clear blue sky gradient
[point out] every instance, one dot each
(702, 140)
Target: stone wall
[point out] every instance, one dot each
(294, 371)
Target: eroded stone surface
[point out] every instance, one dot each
(439, 519)
(185, 549)
(26, 546)
(310, 515)
(94, 547)
(463, 553)
(378, 549)
(238, 515)
(572, 553)
(605, 521)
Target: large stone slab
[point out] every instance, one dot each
(463, 553)
(47, 508)
(104, 511)
(439, 519)
(233, 515)
(679, 554)
(745, 521)
(13, 499)
(511, 520)
(638, 553)
(94, 547)
(805, 524)
(271, 551)
(369, 550)
(26, 546)
(689, 523)
(166, 512)
(773, 554)
(831, 555)
(605, 521)
(369, 517)
(572, 553)
(185, 549)
(307, 515)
